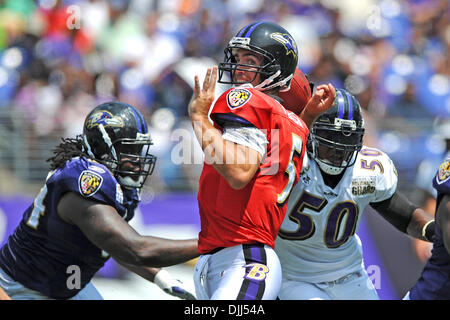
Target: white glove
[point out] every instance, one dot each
(172, 286)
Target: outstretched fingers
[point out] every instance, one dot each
(204, 93)
(213, 79)
(207, 80)
(209, 83)
(196, 86)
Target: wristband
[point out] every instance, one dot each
(428, 230)
(163, 279)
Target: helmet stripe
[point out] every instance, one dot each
(340, 101)
(249, 32)
(345, 106)
(141, 124)
(244, 29)
(350, 107)
(241, 32)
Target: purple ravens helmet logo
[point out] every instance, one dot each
(287, 41)
(105, 118)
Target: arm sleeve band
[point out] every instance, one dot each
(248, 136)
(397, 210)
(428, 231)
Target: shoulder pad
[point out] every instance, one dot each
(89, 179)
(376, 164)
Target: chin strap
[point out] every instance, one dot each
(329, 169)
(269, 80)
(129, 182)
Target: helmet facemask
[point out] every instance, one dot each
(230, 65)
(129, 159)
(269, 69)
(335, 146)
(134, 162)
(116, 135)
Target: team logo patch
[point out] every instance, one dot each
(443, 172)
(238, 97)
(89, 183)
(106, 118)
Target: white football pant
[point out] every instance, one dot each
(354, 286)
(243, 272)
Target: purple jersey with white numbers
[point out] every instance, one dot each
(44, 250)
(434, 282)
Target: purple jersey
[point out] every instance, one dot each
(43, 246)
(434, 282)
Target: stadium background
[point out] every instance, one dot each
(58, 59)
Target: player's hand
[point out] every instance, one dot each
(321, 101)
(203, 96)
(172, 286)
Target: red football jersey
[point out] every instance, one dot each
(253, 214)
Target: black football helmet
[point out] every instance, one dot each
(271, 41)
(337, 135)
(116, 135)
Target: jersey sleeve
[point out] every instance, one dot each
(90, 180)
(243, 106)
(248, 136)
(441, 181)
(386, 178)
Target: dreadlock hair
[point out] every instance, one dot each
(65, 151)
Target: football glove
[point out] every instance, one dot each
(172, 286)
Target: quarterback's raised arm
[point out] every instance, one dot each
(218, 151)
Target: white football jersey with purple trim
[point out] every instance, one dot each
(317, 241)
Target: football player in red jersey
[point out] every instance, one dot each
(253, 155)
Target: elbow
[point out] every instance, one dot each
(239, 182)
(239, 177)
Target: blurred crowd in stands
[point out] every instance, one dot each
(58, 59)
